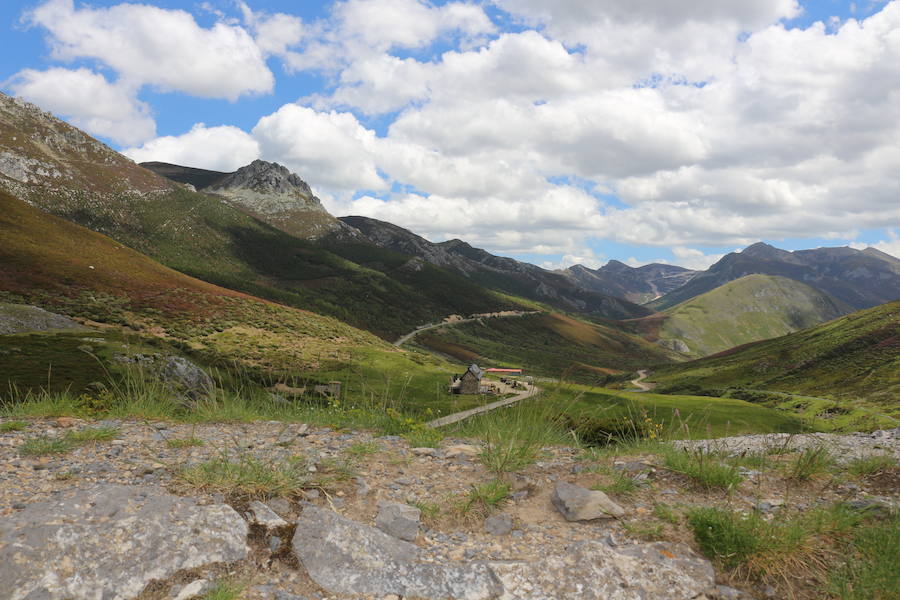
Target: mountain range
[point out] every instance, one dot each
(261, 232)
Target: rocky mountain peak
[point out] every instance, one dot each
(764, 251)
(265, 178)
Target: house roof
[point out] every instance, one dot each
(475, 370)
(492, 370)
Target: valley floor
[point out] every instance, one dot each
(295, 467)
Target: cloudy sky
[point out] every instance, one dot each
(558, 131)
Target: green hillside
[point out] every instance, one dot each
(846, 370)
(755, 307)
(551, 345)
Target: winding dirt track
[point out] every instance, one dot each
(511, 314)
(638, 382)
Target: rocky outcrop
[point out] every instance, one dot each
(22, 318)
(110, 541)
(267, 191)
(346, 557)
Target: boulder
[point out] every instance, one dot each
(346, 557)
(580, 504)
(596, 571)
(110, 541)
(464, 451)
(186, 376)
(398, 520)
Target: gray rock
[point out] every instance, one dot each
(580, 504)
(398, 520)
(281, 506)
(110, 541)
(596, 571)
(264, 516)
(500, 524)
(21, 318)
(275, 544)
(186, 375)
(346, 557)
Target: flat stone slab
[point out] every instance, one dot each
(109, 541)
(346, 557)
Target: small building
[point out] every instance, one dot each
(469, 382)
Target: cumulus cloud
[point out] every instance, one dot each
(890, 246)
(90, 101)
(330, 148)
(154, 46)
(223, 148)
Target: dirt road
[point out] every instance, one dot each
(638, 382)
(461, 416)
(507, 315)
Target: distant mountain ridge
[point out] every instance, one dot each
(857, 278)
(637, 284)
(497, 272)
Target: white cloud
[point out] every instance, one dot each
(223, 148)
(163, 48)
(331, 149)
(91, 102)
(692, 258)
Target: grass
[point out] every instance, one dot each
(785, 551)
(362, 449)
(871, 465)
(705, 469)
(486, 497)
(513, 436)
(648, 531)
(430, 510)
(248, 477)
(809, 463)
(9, 426)
(622, 485)
(43, 445)
(851, 363)
(187, 442)
(870, 571)
(666, 513)
(224, 590)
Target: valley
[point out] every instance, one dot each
(222, 342)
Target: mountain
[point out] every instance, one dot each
(54, 166)
(636, 284)
(748, 309)
(63, 267)
(854, 359)
(267, 191)
(857, 278)
(497, 272)
(548, 344)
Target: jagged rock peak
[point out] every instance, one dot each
(264, 177)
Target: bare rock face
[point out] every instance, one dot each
(580, 504)
(346, 557)
(596, 571)
(110, 541)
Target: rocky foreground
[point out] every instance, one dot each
(121, 518)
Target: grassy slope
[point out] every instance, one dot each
(551, 344)
(97, 188)
(854, 359)
(682, 416)
(751, 308)
(66, 268)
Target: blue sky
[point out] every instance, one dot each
(522, 126)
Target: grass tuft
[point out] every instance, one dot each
(12, 426)
(43, 445)
(249, 477)
(486, 496)
(704, 468)
(870, 571)
(871, 465)
(188, 442)
(809, 463)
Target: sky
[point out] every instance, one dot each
(555, 132)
